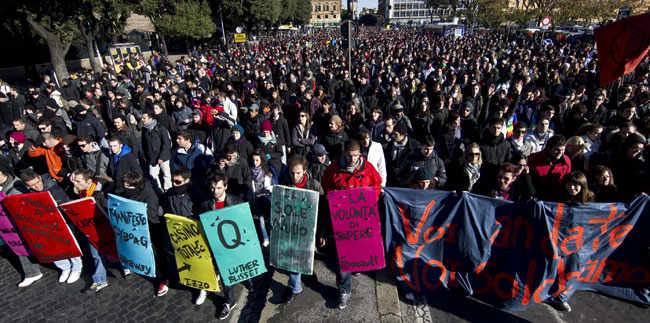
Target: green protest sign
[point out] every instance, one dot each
(233, 240)
(294, 213)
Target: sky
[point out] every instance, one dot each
(363, 4)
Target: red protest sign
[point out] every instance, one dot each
(91, 220)
(357, 230)
(42, 226)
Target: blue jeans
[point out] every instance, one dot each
(72, 264)
(265, 235)
(295, 282)
(344, 281)
(99, 276)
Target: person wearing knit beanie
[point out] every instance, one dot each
(266, 126)
(18, 136)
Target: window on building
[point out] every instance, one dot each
(318, 17)
(334, 8)
(317, 8)
(327, 16)
(334, 16)
(327, 8)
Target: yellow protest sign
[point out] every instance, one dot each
(240, 38)
(192, 253)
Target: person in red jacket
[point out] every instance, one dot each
(352, 170)
(549, 167)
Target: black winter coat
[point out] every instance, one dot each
(91, 126)
(124, 164)
(393, 166)
(210, 204)
(334, 143)
(494, 152)
(145, 195)
(156, 145)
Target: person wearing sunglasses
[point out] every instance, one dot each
(517, 142)
(462, 176)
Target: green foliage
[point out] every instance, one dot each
(368, 20)
(187, 19)
(491, 13)
(288, 10)
(303, 12)
(521, 17)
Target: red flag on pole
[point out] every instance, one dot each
(621, 46)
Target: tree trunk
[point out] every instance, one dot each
(90, 45)
(57, 48)
(164, 45)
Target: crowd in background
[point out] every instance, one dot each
(494, 114)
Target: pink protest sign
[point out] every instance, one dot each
(10, 235)
(357, 231)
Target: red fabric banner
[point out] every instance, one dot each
(91, 220)
(42, 226)
(621, 46)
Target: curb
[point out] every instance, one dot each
(387, 297)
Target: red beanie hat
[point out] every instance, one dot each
(18, 136)
(266, 126)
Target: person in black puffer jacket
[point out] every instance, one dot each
(334, 139)
(495, 149)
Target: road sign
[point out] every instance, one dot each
(349, 29)
(240, 38)
(624, 12)
(546, 21)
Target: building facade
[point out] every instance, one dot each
(404, 12)
(325, 13)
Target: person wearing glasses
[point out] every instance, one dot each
(596, 109)
(517, 143)
(92, 156)
(303, 136)
(462, 176)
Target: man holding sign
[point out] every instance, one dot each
(300, 178)
(351, 171)
(220, 199)
(70, 268)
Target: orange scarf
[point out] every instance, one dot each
(89, 192)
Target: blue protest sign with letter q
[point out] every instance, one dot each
(233, 239)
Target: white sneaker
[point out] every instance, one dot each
(28, 281)
(64, 276)
(202, 295)
(265, 243)
(74, 276)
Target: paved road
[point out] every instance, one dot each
(134, 301)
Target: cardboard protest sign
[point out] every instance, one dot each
(357, 231)
(233, 241)
(91, 220)
(131, 227)
(293, 228)
(192, 253)
(42, 226)
(10, 235)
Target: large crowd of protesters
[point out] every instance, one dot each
(495, 114)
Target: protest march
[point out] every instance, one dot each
(493, 165)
